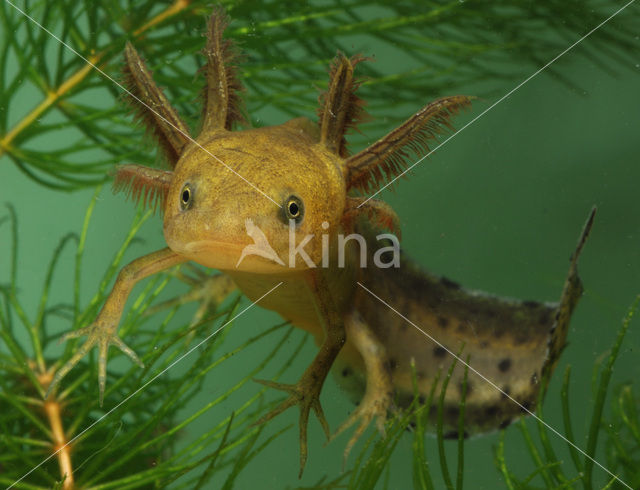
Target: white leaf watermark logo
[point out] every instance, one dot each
(386, 256)
(260, 246)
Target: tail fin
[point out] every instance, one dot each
(570, 295)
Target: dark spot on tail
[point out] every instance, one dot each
(434, 301)
(526, 406)
(453, 434)
(393, 364)
(469, 388)
(491, 411)
(506, 391)
(433, 411)
(439, 351)
(545, 317)
(453, 412)
(504, 365)
(448, 283)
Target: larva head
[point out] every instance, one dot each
(235, 201)
(235, 198)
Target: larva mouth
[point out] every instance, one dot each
(230, 256)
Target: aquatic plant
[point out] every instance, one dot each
(136, 442)
(54, 87)
(47, 91)
(65, 442)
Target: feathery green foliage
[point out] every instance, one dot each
(48, 89)
(623, 435)
(138, 436)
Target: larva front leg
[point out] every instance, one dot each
(103, 332)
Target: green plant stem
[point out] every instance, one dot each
(461, 429)
(502, 463)
(549, 453)
(533, 450)
(80, 251)
(605, 377)
(566, 417)
(440, 435)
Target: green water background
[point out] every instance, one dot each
(498, 208)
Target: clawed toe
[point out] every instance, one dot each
(289, 402)
(103, 331)
(74, 334)
(370, 408)
(306, 396)
(117, 342)
(101, 337)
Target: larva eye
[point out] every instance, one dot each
(293, 209)
(186, 197)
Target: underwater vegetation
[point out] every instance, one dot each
(201, 434)
(456, 46)
(137, 443)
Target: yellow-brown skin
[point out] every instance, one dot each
(281, 161)
(223, 179)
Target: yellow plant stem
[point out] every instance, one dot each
(175, 8)
(60, 443)
(52, 98)
(54, 95)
